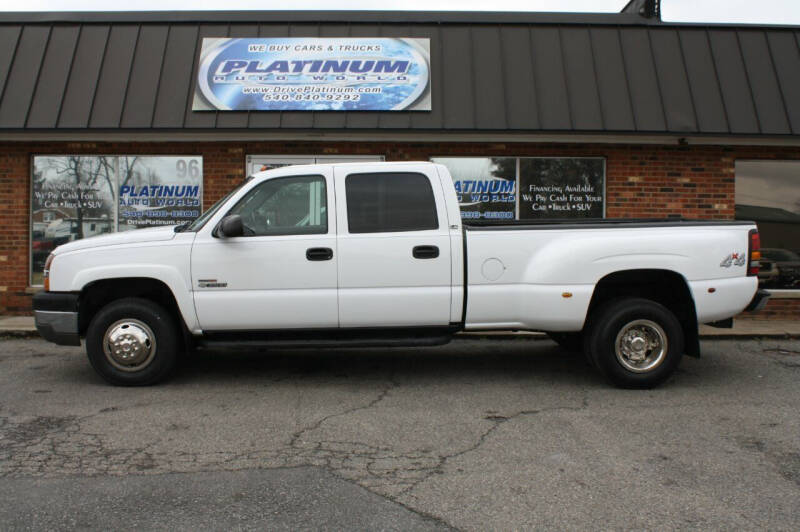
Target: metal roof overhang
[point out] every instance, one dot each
(182, 135)
(531, 76)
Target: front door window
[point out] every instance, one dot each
(285, 206)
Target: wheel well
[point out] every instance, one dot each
(98, 294)
(663, 286)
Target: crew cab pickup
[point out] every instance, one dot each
(377, 254)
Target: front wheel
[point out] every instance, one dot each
(635, 342)
(133, 342)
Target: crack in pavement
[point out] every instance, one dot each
(295, 440)
(497, 421)
(49, 446)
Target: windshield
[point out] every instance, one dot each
(203, 218)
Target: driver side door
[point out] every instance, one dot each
(282, 273)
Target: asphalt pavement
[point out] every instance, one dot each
(480, 434)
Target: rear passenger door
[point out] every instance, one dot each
(394, 247)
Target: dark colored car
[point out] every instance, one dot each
(40, 248)
(787, 264)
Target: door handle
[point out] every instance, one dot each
(319, 253)
(425, 252)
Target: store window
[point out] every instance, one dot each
(768, 193)
(79, 196)
(528, 188)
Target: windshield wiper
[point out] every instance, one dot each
(182, 227)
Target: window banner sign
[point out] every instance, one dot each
(313, 74)
(157, 191)
(561, 188)
(485, 186)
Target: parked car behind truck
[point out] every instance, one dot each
(782, 268)
(376, 254)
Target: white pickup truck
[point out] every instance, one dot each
(377, 254)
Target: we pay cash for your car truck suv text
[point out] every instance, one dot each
(376, 254)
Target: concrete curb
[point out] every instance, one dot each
(9, 333)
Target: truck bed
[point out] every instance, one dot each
(541, 275)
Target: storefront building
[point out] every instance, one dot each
(119, 121)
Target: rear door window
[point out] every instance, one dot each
(390, 202)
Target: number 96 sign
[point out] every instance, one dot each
(189, 168)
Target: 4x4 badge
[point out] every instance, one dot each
(736, 259)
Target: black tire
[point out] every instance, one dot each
(571, 341)
(636, 316)
(161, 354)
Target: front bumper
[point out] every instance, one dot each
(758, 302)
(56, 316)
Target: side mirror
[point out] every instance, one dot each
(231, 226)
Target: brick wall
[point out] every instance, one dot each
(641, 180)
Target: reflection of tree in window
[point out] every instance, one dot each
(86, 174)
(504, 167)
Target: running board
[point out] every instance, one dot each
(318, 338)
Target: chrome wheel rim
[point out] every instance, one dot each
(129, 345)
(641, 346)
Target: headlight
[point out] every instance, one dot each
(46, 272)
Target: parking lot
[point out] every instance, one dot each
(480, 434)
